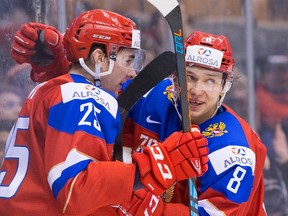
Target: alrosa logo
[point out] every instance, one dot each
(90, 88)
(203, 60)
(91, 94)
(205, 52)
(238, 151)
(136, 44)
(238, 160)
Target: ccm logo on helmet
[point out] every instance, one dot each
(103, 37)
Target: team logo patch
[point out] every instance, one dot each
(204, 55)
(90, 87)
(169, 91)
(205, 52)
(238, 151)
(83, 91)
(229, 156)
(168, 194)
(215, 130)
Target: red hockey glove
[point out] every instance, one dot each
(189, 153)
(143, 203)
(42, 47)
(180, 156)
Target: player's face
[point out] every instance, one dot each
(122, 71)
(204, 89)
(10, 105)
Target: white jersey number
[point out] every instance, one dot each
(146, 141)
(19, 154)
(234, 183)
(88, 108)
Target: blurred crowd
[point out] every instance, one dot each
(226, 17)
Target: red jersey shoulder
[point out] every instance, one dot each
(253, 138)
(49, 89)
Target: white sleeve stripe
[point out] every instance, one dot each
(23, 123)
(73, 158)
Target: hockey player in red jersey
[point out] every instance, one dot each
(233, 184)
(58, 154)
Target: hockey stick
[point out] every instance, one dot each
(153, 73)
(170, 9)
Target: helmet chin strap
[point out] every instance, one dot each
(227, 87)
(219, 104)
(221, 100)
(97, 73)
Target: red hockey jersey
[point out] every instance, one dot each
(233, 184)
(58, 154)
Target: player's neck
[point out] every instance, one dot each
(80, 71)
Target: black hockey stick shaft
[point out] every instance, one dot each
(152, 74)
(170, 9)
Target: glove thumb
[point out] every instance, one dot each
(50, 39)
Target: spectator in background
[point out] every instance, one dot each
(82, 6)
(10, 104)
(19, 76)
(272, 96)
(275, 176)
(276, 200)
(157, 39)
(13, 13)
(237, 98)
(11, 18)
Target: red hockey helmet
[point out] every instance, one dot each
(99, 27)
(210, 51)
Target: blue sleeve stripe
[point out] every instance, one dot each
(68, 173)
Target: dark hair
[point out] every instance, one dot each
(98, 46)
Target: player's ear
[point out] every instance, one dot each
(97, 56)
